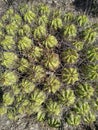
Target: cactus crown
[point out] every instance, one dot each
(48, 65)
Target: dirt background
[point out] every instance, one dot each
(23, 123)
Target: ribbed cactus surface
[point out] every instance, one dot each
(49, 61)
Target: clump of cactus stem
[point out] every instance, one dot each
(49, 62)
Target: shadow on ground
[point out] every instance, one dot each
(87, 6)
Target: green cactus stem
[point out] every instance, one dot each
(78, 45)
(52, 61)
(70, 75)
(41, 115)
(11, 29)
(17, 19)
(52, 84)
(66, 97)
(34, 108)
(70, 31)
(43, 20)
(38, 97)
(27, 86)
(8, 43)
(1, 25)
(92, 54)
(38, 74)
(9, 78)
(23, 8)
(23, 65)
(70, 56)
(89, 118)
(82, 108)
(10, 11)
(1, 35)
(19, 98)
(54, 122)
(37, 53)
(7, 15)
(53, 108)
(24, 108)
(89, 35)
(40, 32)
(85, 90)
(44, 9)
(8, 99)
(29, 16)
(50, 42)
(82, 20)
(57, 13)
(12, 114)
(57, 23)
(95, 103)
(25, 43)
(25, 30)
(73, 119)
(68, 17)
(3, 110)
(16, 89)
(91, 72)
(9, 59)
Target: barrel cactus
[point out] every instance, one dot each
(48, 65)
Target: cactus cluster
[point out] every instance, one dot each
(49, 65)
